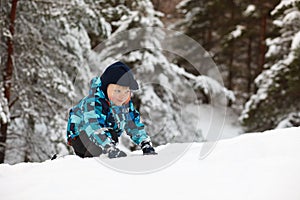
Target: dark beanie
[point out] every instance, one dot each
(120, 74)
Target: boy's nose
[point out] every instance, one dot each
(123, 94)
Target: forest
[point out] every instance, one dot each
(239, 55)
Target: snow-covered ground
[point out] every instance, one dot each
(258, 166)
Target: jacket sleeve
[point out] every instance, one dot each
(134, 127)
(73, 123)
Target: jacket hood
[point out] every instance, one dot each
(94, 85)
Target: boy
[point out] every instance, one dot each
(98, 120)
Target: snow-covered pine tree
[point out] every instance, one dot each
(165, 87)
(278, 85)
(234, 38)
(35, 83)
(51, 45)
(138, 48)
(199, 21)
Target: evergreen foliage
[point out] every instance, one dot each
(50, 45)
(234, 33)
(278, 85)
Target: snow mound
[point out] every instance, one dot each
(258, 166)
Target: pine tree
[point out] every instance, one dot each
(138, 43)
(230, 32)
(278, 85)
(142, 52)
(8, 17)
(52, 48)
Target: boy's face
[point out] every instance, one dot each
(118, 94)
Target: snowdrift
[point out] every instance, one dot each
(258, 166)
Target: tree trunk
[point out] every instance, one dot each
(7, 76)
(263, 29)
(209, 40)
(230, 73)
(231, 58)
(3, 141)
(249, 62)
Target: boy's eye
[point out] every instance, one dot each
(117, 91)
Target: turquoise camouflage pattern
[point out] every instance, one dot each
(95, 116)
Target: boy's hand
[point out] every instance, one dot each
(147, 149)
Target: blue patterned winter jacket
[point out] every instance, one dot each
(95, 116)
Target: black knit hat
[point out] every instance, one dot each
(120, 74)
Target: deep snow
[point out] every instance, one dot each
(258, 166)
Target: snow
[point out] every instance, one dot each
(249, 10)
(293, 119)
(210, 85)
(290, 18)
(282, 4)
(258, 166)
(3, 117)
(296, 42)
(273, 45)
(182, 4)
(237, 32)
(4, 111)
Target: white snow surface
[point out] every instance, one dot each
(257, 166)
(237, 32)
(250, 9)
(282, 4)
(296, 41)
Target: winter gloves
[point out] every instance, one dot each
(147, 148)
(114, 152)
